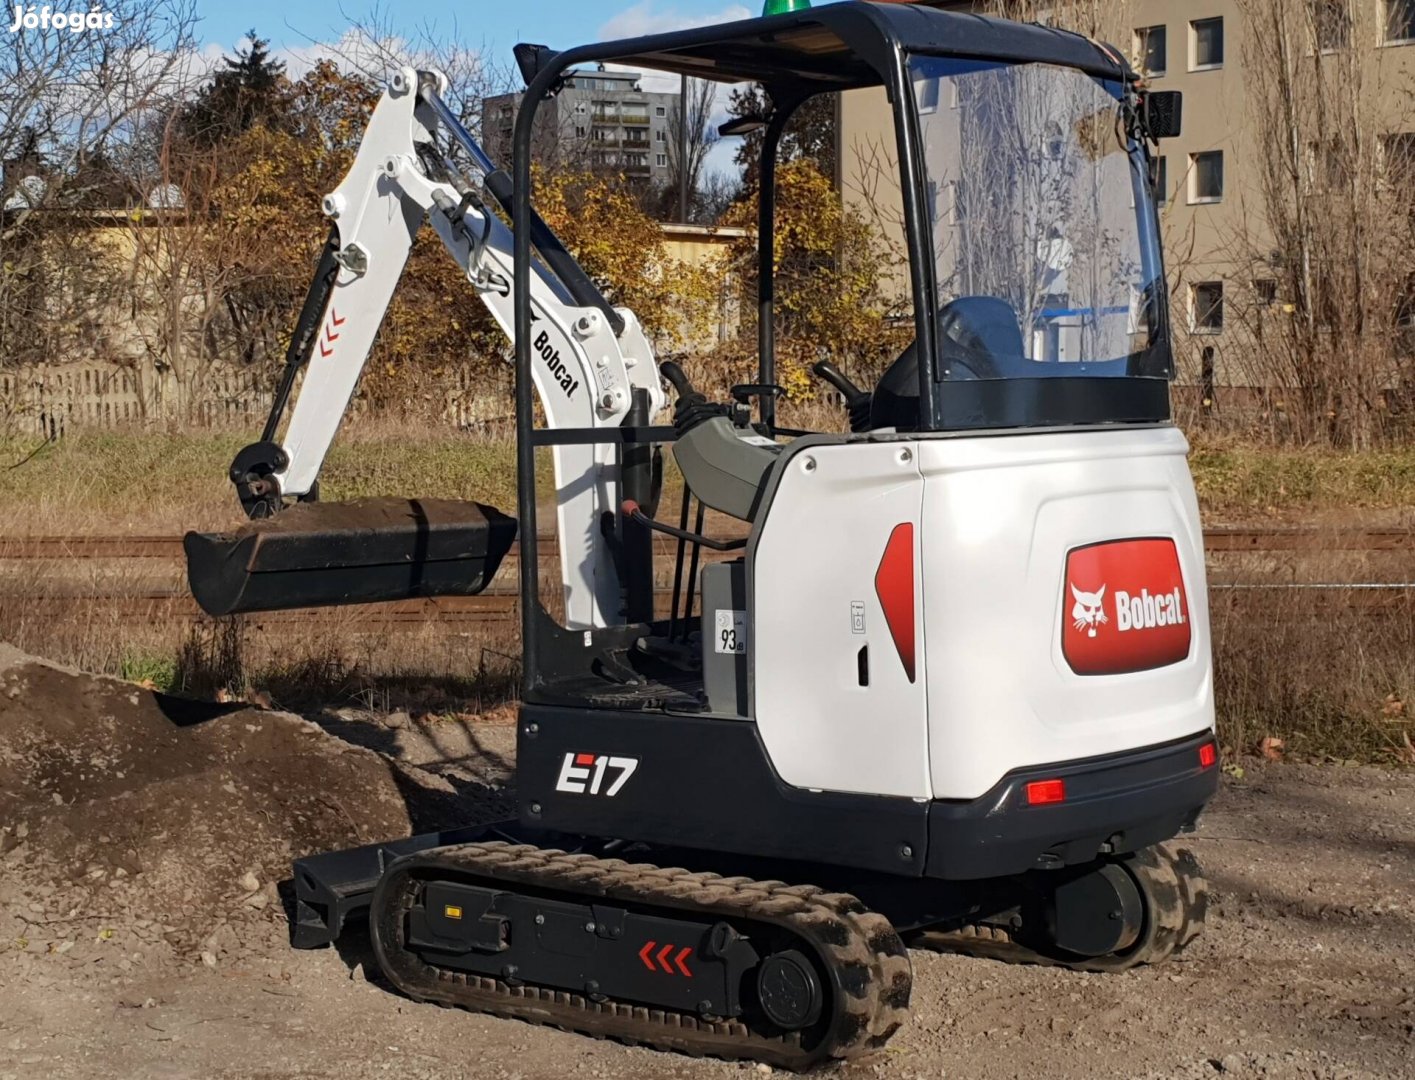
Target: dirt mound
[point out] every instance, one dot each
(138, 829)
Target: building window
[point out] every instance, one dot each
(660, 135)
(1326, 166)
(662, 161)
(579, 133)
(1405, 305)
(1206, 177)
(1265, 289)
(1206, 44)
(1159, 179)
(1151, 50)
(1331, 24)
(1398, 159)
(660, 110)
(1400, 20)
(1206, 307)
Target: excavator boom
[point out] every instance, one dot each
(594, 361)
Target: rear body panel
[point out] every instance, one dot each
(1003, 666)
(1001, 517)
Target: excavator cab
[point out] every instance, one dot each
(948, 672)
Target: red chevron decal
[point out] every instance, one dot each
(325, 350)
(663, 958)
(644, 955)
(331, 335)
(679, 961)
(335, 319)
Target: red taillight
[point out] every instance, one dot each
(1208, 755)
(1046, 792)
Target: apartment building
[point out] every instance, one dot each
(1209, 181)
(601, 120)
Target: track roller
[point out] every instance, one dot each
(1143, 908)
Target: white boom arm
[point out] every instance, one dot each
(584, 374)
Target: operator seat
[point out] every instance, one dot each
(977, 335)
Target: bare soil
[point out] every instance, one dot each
(142, 930)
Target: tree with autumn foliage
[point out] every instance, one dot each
(224, 272)
(831, 297)
(601, 221)
(221, 268)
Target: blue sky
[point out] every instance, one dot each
(495, 25)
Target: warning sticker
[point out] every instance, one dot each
(731, 634)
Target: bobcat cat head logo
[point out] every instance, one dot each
(1087, 612)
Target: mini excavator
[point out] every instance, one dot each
(951, 688)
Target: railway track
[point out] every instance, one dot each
(142, 601)
(1216, 540)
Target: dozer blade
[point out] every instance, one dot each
(359, 552)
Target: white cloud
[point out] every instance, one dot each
(645, 18)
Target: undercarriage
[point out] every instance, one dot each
(687, 959)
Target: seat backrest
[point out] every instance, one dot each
(976, 333)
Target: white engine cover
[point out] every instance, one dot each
(998, 633)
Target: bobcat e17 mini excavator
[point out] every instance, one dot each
(954, 687)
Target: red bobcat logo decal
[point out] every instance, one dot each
(1147, 625)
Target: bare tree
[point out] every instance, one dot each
(71, 104)
(1331, 222)
(717, 192)
(374, 49)
(66, 95)
(690, 128)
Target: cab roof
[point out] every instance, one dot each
(843, 46)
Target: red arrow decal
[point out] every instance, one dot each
(325, 350)
(644, 955)
(663, 958)
(679, 961)
(335, 319)
(331, 335)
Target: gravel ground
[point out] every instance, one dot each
(141, 933)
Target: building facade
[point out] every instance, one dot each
(1225, 273)
(601, 120)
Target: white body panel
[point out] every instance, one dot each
(1000, 515)
(995, 517)
(826, 528)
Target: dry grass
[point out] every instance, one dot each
(1240, 481)
(156, 482)
(161, 482)
(1327, 680)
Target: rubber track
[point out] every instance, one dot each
(871, 964)
(1176, 901)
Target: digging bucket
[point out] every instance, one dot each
(364, 551)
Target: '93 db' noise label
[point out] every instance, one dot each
(1124, 607)
(595, 774)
